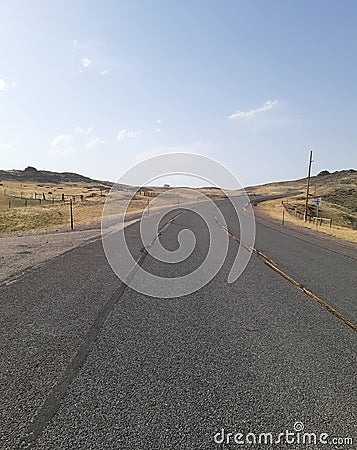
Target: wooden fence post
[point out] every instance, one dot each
(71, 212)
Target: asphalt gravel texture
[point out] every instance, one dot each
(99, 366)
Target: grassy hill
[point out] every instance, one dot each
(31, 174)
(33, 199)
(338, 192)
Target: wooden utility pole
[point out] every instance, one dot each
(308, 187)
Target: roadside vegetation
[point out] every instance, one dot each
(338, 193)
(27, 205)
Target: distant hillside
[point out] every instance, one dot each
(338, 187)
(338, 191)
(44, 176)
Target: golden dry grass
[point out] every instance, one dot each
(339, 202)
(274, 209)
(51, 215)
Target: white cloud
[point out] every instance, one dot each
(86, 62)
(60, 139)
(62, 145)
(158, 121)
(270, 104)
(93, 142)
(128, 134)
(3, 85)
(157, 130)
(66, 144)
(80, 130)
(5, 146)
(91, 56)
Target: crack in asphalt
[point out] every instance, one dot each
(52, 403)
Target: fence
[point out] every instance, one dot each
(17, 199)
(293, 210)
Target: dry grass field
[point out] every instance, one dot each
(27, 206)
(338, 192)
(31, 206)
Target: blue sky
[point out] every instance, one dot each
(96, 86)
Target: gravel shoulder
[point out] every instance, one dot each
(19, 254)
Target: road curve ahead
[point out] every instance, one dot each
(87, 363)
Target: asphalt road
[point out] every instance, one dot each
(89, 364)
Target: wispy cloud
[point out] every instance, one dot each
(62, 145)
(5, 86)
(128, 134)
(158, 123)
(6, 146)
(66, 144)
(80, 130)
(93, 142)
(86, 62)
(90, 55)
(268, 105)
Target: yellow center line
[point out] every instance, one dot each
(274, 266)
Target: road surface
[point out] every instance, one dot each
(87, 363)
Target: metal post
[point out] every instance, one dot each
(317, 212)
(283, 216)
(308, 187)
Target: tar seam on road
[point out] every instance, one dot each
(53, 400)
(273, 266)
(305, 240)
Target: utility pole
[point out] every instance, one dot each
(308, 186)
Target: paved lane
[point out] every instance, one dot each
(326, 267)
(253, 356)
